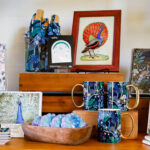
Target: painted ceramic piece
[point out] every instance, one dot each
(54, 27)
(57, 120)
(93, 95)
(46, 120)
(72, 121)
(118, 96)
(109, 125)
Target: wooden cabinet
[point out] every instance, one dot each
(63, 82)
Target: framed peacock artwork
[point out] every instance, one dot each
(96, 37)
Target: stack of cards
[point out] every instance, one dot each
(4, 135)
(146, 140)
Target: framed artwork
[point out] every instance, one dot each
(60, 51)
(140, 72)
(96, 36)
(2, 67)
(18, 108)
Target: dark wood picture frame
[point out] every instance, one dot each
(114, 67)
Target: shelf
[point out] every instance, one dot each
(91, 144)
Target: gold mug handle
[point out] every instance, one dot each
(137, 96)
(125, 137)
(72, 94)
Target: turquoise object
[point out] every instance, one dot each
(60, 121)
(56, 122)
(72, 121)
(109, 125)
(20, 119)
(36, 121)
(46, 120)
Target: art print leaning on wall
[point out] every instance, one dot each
(17, 108)
(140, 73)
(2, 67)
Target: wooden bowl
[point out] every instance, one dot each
(91, 118)
(70, 136)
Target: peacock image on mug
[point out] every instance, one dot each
(118, 95)
(93, 95)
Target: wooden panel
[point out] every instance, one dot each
(61, 81)
(58, 104)
(143, 113)
(126, 124)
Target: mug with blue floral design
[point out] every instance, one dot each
(109, 125)
(93, 95)
(118, 95)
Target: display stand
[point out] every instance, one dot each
(52, 82)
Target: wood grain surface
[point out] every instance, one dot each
(91, 144)
(62, 81)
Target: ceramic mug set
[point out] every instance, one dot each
(109, 119)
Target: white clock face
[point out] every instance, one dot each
(61, 52)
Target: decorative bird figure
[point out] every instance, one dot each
(20, 119)
(93, 37)
(54, 27)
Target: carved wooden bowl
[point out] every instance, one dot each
(70, 136)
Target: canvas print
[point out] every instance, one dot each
(148, 122)
(140, 74)
(17, 108)
(2, 68)
(95, 41)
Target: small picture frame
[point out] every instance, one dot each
(60, 52)
(140, 71)
(96, 40)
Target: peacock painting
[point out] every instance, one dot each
(95, 36)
